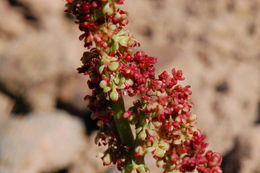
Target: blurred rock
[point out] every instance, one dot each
(248, 150)
(244, 157)
(6, 105)
(40, 142)
(73, 90)
(88, 162)
(44, 54)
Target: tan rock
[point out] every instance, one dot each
(244, 157)
(73, 90)
(88, 160)
(40, 142)
(35, 59)
(6, 105)
(248, 150)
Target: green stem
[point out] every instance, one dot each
(140, 123)
(124, 130)
(122, 124)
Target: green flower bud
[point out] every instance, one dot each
(114, 95)
(142, 135)
(129, 82)
(116, 80)
(193, 117)
(107, 9)
(124, 16)
(159, 152)
(105, 60)
(164, 145)
(152, 132)
(178, 119)
(123, 40)
(139, 151)
(122, 80)
(141, 169)
(150, 149)
(118, 15)
(157, 124)
(113, 66)
(177, 141)
(122, 86)
(101, 69)
(159, 163)
(106, 89)
(100, 155)
(189, 135)
(133, 171)
(112, 27)
(103, 84)
(115, 46)
(158, 93)
(113, 58)
(107, 159)
(138, 130)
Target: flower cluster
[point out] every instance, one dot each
(161, 115)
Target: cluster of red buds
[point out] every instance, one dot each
(161, 114)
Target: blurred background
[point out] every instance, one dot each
(44, 123)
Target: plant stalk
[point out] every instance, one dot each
(122, 124)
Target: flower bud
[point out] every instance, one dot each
(177, 141)
(113, 66)
(101, 69)
(112, 27)
(141, 169)
(214, 159)
(164, 145)
(103, 84)
(121, 86)
(107, 159)
(105, 60)
(133, 170)
(100, 155)
(107, 9)
(116, 80)
(150, 149)
(158, 152)
(129, 82)
(192, 117)
(159, 163)
(127, 114)
(142, 135)
(115, 46)
(122, 80)
(114, 95)
(139, 151)
(123, 40)
(157, 124)
(106, 89)
(139, 129)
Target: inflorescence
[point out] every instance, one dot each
(161, 114)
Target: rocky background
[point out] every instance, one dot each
(44, 122)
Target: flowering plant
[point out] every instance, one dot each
(161, 114)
